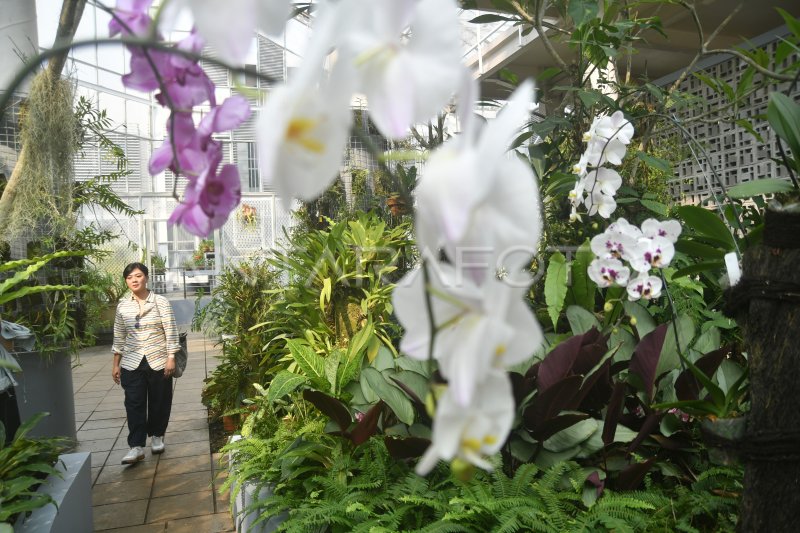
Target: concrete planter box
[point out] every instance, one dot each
(72, 493)
(248, 494)
(45, 385)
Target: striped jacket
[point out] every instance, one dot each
(152, 334)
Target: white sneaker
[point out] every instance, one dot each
(135, 455)
(157, 444)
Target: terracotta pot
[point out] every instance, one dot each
(229, 423)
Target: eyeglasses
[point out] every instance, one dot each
(137, 322)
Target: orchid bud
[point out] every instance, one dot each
(461, 469)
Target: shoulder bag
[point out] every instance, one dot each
(182, 356)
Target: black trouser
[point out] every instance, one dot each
(148, 402)
(9, 414)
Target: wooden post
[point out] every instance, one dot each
(767, 304)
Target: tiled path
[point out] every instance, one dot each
(172, 492)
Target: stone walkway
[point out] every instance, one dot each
(172, 492)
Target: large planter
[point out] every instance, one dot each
(72, 492)
(246, 495)
(45, 385)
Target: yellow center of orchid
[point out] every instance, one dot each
(500, 350)
(473, 445)
(298, 132)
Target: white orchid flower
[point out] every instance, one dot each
(623, 227)
(669, 229)
(229, 28)
(615, 126)
(472, 432)
(600, 204)
(304, 127)
(608, 272)
(607, 180)
(614, 245)
(472, 196)
(644, 287)
(478, 328)
(406, 77)
(652, 253)
(607, 139)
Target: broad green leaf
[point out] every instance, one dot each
(583, 289)
(418, 383)
(656, 207)
(555, 286)
(698, 249)
(332, 369)
(644, 320)
(572, 436)
(759, 187)
(669, 358)
(708, 341)
(383, 360)
(626, 342)
(546, 459)
(582, 10)
(350, 364)
(395, 398)
(581, 320)
(284, 383)
(655, 162)
(783, 115)
(706, 222)
(548, 73)
(308, 361)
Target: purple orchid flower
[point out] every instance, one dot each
(195, 148)
(208, 203)
(131, 15)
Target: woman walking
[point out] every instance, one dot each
(145, 343)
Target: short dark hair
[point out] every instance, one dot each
(135, 266)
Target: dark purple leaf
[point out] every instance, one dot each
(594, 346)
(686, 386)
(632, 476)
(613, 412)
(406, 448)
(330, 406)
(599, 484)
(551, 426)
(644, 361)
(519, 386)
(596, 391)
(366, 427)
(650, 423)
(552, 401)
(558, 363)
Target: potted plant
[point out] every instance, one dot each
(45, 383)
(41, 490)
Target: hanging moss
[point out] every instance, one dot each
(49, 133)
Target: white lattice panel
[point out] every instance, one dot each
(733, 153)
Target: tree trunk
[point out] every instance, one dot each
(771, 324)
(71, 13)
